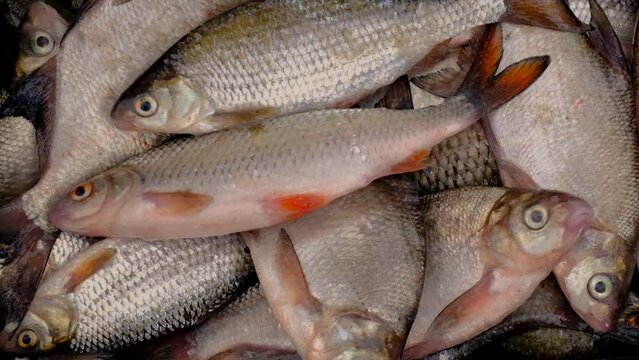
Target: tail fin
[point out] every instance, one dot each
(552, 14)
(490, 90)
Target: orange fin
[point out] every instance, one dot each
(417, 161)
(298, 205)
(88, 267)
(178, 203)
(552, 14)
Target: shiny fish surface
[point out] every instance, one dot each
(19, 160)
(355, 254)
(283, 56)
(508, 242)
(66, 246)
(121, 292)
(89, 78)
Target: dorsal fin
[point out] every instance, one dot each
(605, 40)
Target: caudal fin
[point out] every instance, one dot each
(491, 91)
(552, 14)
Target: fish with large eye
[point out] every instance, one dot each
(27, 339)
(535, 217)
(81, 192)
(145, 106)
(42, 43)
(600, 286)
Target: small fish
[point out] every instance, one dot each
(508, 242)
(119, 292)
(254, 62)
(39, 37)
(276, 170)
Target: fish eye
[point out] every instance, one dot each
(42, 43)
(146, 106)
(600, 286)
(81, 192)
(27, 339)
(535, 217)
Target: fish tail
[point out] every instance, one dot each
(552, 14)
(490, 91)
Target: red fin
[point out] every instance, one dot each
(298, 205)
(493, 91)
(605, 40)
(178, 203)
(88, 267)
(415, 162)
(552, 14)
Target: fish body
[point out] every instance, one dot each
(120, 292)
(354, 256)
(111, 44)
(275, 57)
(65, 247)
(505, 249)
(580, 137)
(19, 159)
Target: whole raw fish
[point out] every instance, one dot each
(285, 56)
(120, 292)
(487, 250)
(580, 137)
(275, 170)
(332, 277)
(111, 44)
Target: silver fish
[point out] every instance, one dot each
(19, 158)
(66, 246)
(487, 250)
(332, 277)
(275, 57)
(120, 292)
(275, 170)
(111, 44)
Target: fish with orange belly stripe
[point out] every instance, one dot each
(301, 162)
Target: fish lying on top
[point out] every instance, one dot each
(272, 171)
(40, 37)
(120, 292)
(283, 56)
(332, 278)
(111, 44)
(580, 137)
(508, 241)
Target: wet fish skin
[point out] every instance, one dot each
(490, 231)
(19, 162)
(254, 63)
(563, 114)
(119, 292)
(352, 257)
(66, 246)
(40, 37)
(89, 78)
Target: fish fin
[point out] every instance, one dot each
(237, 118)
(398, 95)
(373, 99)
(89, 266)
(45, 119)
(605, 40)
(419, 160)
(297, 205)
(551, 14)
(514, 176)
(177, 203)
(12, 217)
(489, 91)
(437, 54)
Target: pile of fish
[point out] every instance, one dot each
(319, 179)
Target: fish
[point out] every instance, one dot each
(580, 138)
(19, 159)
(40, 36)
(119, 292)
(111, 44)
(245, 329)
(508, 241)
(65, 247)
(254, 63)
(332, 277)
(636, 65)
(275, 170)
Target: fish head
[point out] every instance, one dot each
(48, 324)
(174, 106)
(40, 36)
(540, 222)
(595, 275)
(94, 203)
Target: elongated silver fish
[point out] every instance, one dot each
(40, 36)
(120, 292)
(332, 276)
(111, 44)
(276, 57)
(508, 242)
(276, 170)
(580, 137)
